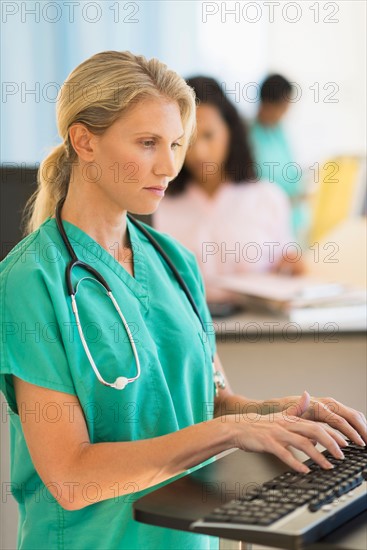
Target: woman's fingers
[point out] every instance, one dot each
(280, 448)
(299, 407)
(355, 419)
(351, 423)
(286, 438)
(348, 421)
(292, 428)
(288, 458)
(305, 432)
(315, 431)
(339, 438)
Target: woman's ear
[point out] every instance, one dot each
(83, 141)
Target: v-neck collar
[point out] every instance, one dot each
(137, 284)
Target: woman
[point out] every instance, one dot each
(216, 206)
(82, 450)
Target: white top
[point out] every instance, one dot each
(242, 229)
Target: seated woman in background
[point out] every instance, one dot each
(217, 207)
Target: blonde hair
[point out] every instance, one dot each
(96, 93)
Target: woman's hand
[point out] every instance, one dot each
(348, 421)
(290, 266)
(276, 432)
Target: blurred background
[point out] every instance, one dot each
(320, 47)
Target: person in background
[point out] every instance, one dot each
(218, 208)
(272, 149)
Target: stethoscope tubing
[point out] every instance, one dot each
(121, 382)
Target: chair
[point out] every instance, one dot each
(339, 196)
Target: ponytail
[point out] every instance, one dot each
(53, 181)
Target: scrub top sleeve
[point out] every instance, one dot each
(31, 345)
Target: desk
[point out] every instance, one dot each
(264, 358)
(252, 323)
(181, 502)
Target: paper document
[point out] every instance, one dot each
(281, 288)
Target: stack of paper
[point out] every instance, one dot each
(302, 299)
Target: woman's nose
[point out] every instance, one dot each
(199, 151)
(165, 165)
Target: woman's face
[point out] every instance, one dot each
(207, 156)
(271, 113)
(137, 155)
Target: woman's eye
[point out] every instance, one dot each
(148, 143)
(176, 145)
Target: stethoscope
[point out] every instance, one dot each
(121, 381)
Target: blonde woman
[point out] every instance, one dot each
(112, 388)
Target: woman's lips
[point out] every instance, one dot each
(156, 190)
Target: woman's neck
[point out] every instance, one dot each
(101, 221)
(210, 186)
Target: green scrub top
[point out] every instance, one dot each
(41, 345)
(275, 159)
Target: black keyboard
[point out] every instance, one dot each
(295, 509)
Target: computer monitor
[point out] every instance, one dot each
(16, 187)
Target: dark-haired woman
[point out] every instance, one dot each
(217, 206)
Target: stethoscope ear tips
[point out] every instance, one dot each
(120, 383)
